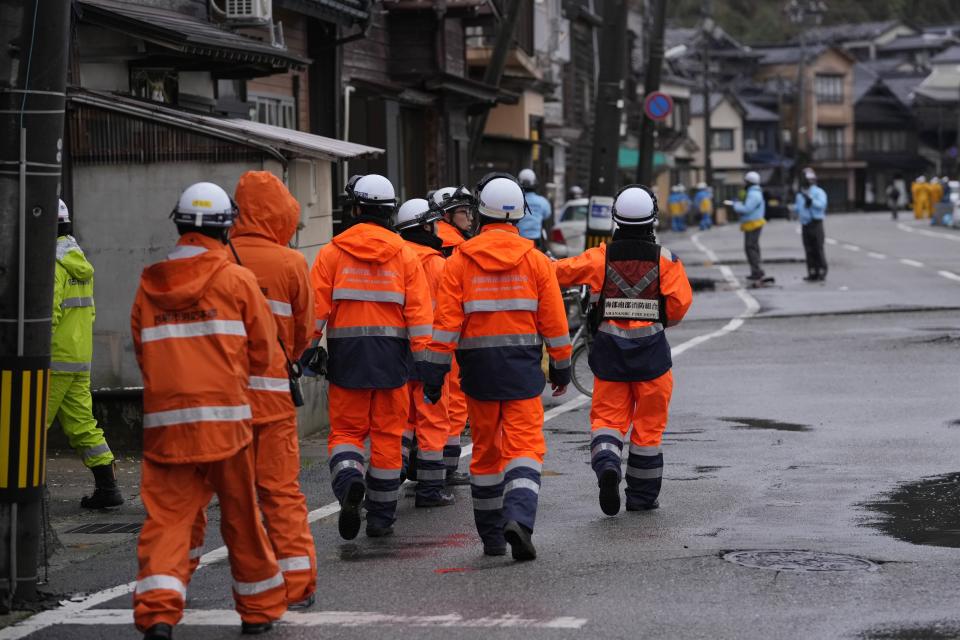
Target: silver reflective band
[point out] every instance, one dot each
(488, 504)
(643, 451)
(196, 414)
(521, 483)
(529, 463)
(511, 340)
(560, 364)
(446, 336)
(486, 479)
(342, 448)
(185, 251)
(261, 383)
(253, 588)
(319, 325)
(67, 245)
(437, 358)
(605, 431)
(195, 553)
(419, 330)
(639, 332)
(194, 330)
(666, 253)
(622, 284)
(368, 295)
(501, 304)
(384, 474)
(453, 441)
(84, 301)
(644, 474)
(431, 474)
(383, 496)
(430, 455)
(70, 367)
(604, 446)
(346, 464)
(559, 341)
(296, 563)
(168, 583)
(419, 356)
(451, 461)
(366, 332)
(280, 308)
(98, 450)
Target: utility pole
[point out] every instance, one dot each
(35, 34)
(651, 84)
(707, 25)
(802, 13)
(494, 71)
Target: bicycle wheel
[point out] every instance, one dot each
(580, 370)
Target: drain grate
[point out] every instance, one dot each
(791, 560)
(108, 527)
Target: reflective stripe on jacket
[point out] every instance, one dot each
(74, 312)
(630, 350)
(498, 303)
(373, 301)
(201, 329)
(269, 216)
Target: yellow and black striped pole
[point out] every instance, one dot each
(23, 434)
(599, 221)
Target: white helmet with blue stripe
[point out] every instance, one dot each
(501, 198)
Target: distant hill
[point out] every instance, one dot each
(764, 22)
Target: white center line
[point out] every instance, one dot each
(850, 247)
(949, 275)
(955, 237)
(911, 263)
(831, 241)
(878, 256)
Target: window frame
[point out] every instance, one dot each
(715, 138)
(828, 88)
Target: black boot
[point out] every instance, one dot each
(255, 628)
(349, 522)
(457, 478)
(519, 539)
(610, 492)
(106, 495)
(159, 631)
(378, 532)
(443, 499)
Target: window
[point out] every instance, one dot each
(721, 140)
(159, 85)
(757, 139)
(574, 213)
(829, 89)
(881, 140)
(830, 143)
(280, 111)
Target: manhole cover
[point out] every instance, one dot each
(789, 560)
(108, 527)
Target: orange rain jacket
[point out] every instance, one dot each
(450, 235)
(498, 302)
(373, 299)
(269, 216)
(200, 329)
(630, 350)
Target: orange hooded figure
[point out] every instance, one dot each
(268, 218)
(201, 329)
(373, 303)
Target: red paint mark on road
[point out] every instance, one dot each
(453, 570)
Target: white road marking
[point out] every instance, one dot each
(831, 241)
(878, 256)
(904, 227)
(850, 247)
(953, 237)
(229, 617)
(949, 275)
(911, 263)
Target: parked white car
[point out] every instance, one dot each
(568, 235)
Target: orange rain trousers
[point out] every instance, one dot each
(428, 421)
(643, 404)
(277, 453)
(378, 414)
(173, 495)
(456, 401)
(504, 430)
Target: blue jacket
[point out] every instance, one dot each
(530, 225)
(703, 194)
(818, 207)
(753, 207)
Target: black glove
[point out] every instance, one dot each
(314, 361)
(807, 200)
(432, 392)
(559, 377)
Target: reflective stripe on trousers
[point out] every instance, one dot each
(606, 450)
(253, 588)
(383, 491)
(487, 493)
(521, 491)
(644, 475)
(70, 367)
(169, 583)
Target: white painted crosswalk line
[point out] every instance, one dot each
(912, 263)
(878, 256)
(949, 275)
(831, 241)
(851, 247)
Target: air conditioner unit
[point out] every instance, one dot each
(750, 145)
(244, 12)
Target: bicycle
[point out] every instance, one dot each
(581, 374)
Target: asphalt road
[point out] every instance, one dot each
(785, 425)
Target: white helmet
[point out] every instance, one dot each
(934, 180)
(575, 192)
(501, 198)
(63, 214)
(635, 205)
(752, 177)
(204, 204)
(810, 174)
(416, 212)
(701, 186)
(921, 179)
(373, 190)
(449, 198)
(527, 178)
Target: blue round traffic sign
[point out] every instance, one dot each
(658, 105)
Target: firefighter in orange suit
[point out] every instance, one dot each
(643, 289)
(201, 329)
(498, 302)
(268, 218)
(429, 422)
(454, 228)
(373, 302)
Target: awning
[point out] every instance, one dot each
(343, 12)
(185, 34)
(473, 89)
(284, 144)
(629, 158)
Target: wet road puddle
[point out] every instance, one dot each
(404, 547)
(766, 424)
(707, 469)
(929, 631)
(954, 423)
(925, 512)
(798, 561)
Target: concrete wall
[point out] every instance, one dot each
(513, 120)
